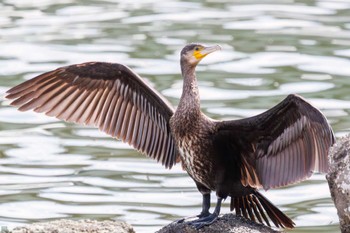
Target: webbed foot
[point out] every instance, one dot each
(204, 221)
(203, 214)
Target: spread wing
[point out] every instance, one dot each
(109, 96)
(281, 146)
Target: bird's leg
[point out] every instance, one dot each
(205, 203)
(205, 206)
(206, 200)
(205, 209)
(208, 220)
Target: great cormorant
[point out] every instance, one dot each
(234, 158)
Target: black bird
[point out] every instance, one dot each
(234, 158)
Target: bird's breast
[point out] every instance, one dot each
(188, 154)
(192, 133)
(195, 160)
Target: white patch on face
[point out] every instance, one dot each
(191, 59)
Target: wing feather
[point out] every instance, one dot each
(136, 131)
(109, 121)
(120, 117)
(87, 108)
(284, 145)
(132, 123)
(96, 102)
(126, 122)
(144, 134)
(73, 106)
(109, 96)
(153, 146)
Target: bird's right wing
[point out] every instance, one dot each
(109, 96)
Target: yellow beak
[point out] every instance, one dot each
(205, 51)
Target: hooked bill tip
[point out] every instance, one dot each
(211, 49)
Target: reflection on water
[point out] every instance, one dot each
(50, 169)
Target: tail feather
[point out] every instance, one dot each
(255, 210)
(255, 205)
(249, 208)
(261, 211)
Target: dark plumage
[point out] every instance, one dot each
(233, 158)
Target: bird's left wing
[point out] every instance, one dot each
(281, 146)
(109, 96)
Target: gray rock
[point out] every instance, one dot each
(339, 180)
(80, 226)
(225, 223)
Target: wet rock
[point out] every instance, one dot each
(71, 226)
(339, 180)
(225, 223)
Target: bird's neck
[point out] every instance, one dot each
(189, 101)
(187, 114)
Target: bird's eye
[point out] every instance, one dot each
(197, 49)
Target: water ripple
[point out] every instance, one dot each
(50, 169)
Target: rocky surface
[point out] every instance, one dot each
(226, 223)
(80, 226)
(339, 180)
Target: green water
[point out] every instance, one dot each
(50, 169)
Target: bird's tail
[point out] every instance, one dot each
(254, 206)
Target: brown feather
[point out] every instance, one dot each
(109, 96)
(286, 136)
(278, 147)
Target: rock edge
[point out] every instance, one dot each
(72, 226)
(225, 223)
(339, 180)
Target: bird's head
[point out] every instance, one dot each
(192, 54)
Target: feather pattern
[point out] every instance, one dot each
(109, 96)
(280, 146)
(283, 145)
